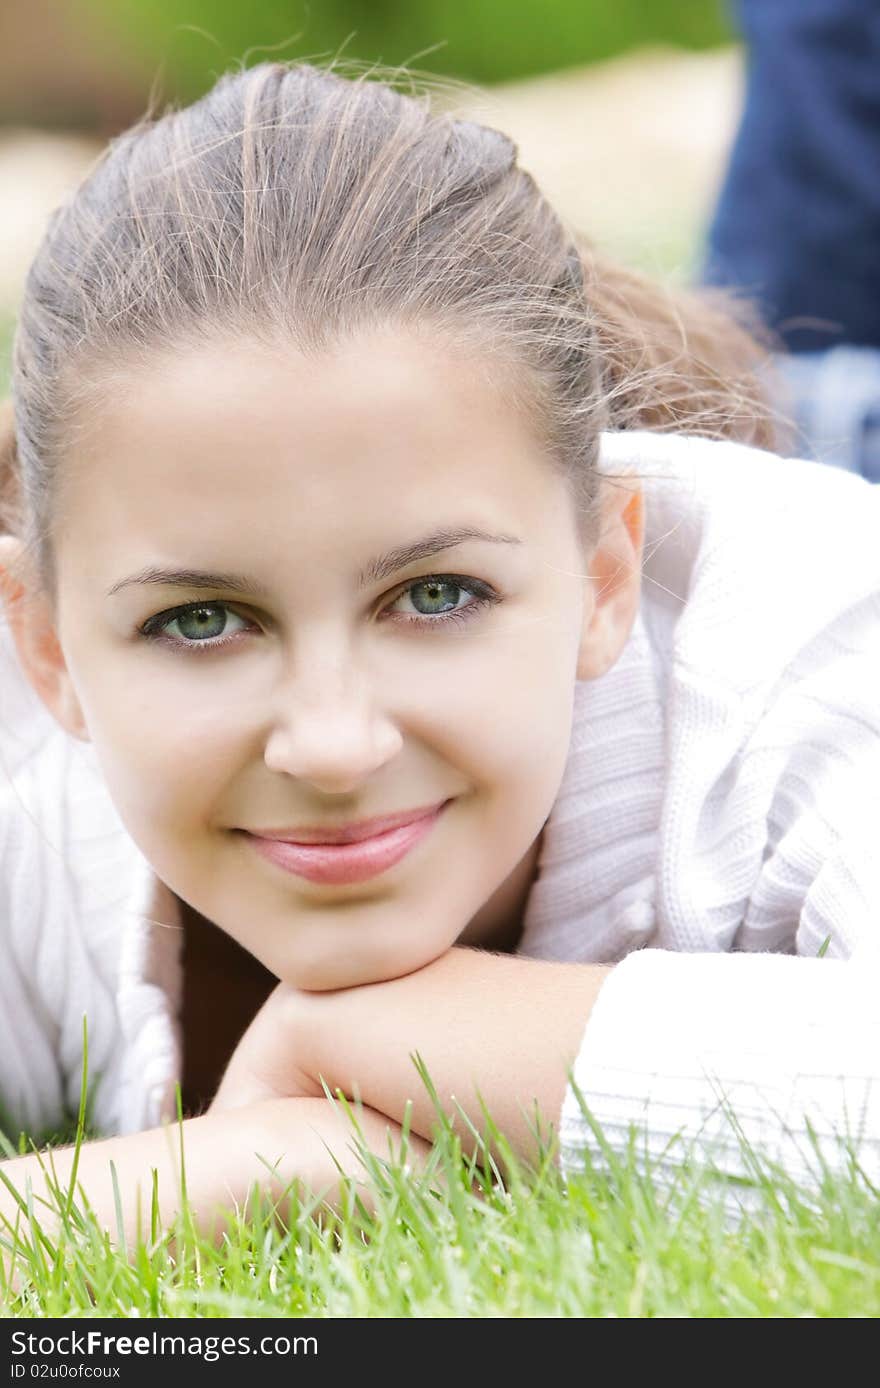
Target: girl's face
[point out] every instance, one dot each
(276, 611)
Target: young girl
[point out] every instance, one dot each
(385, 671)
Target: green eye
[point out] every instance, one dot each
(437, 594)
(200, 626)
(435, 600)
(201, 623)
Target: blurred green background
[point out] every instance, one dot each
(622, 109)
(127, 43)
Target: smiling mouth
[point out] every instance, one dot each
(338, 864)
(347, 833)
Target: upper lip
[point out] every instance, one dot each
(347, 833)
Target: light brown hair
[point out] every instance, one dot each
(296, 205)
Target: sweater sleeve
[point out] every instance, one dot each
(777, 1052)
(722, 1058)
(61, 898)
(725, 1057)
(86, 933)
(754, 1032)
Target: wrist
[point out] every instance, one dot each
(276, 1057)
(317, 1020)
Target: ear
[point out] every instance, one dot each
(615, 578)
(32, 624)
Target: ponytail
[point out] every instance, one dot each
(689, 361)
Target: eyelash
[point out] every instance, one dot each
(483, 595)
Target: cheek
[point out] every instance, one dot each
(522, 677)
(165, 768)
(503, 715)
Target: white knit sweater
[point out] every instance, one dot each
(718, 815)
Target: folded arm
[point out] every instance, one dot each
(486, 1025)
(227, 1155)
(723, 1057)
(491, 1029)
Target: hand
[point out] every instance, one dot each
(265, 1147)
(305, 1135)
(495, 1029)
(264, 1064)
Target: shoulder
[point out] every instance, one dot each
(83, 927)
(25, 722)
(725, 484)
(756, 557)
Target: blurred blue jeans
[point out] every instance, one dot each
(834, 402)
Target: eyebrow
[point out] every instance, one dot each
(383, 566)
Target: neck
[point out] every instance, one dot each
(498, 923)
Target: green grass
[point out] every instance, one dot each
(458, 1241)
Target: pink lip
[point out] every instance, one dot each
(341, 863)
(347, 833)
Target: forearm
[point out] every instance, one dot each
(493, 1027)
(225, 1154)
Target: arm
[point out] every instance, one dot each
(499, 1027)
(225, 1155)
(666, 1041)
(790, 1047)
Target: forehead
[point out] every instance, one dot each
(382, 431)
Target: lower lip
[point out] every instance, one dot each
(337, 864)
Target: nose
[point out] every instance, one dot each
(332, 735)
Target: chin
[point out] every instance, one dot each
(328, 975)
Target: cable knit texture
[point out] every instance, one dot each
(717, 813)
(721, 797)
(86, 931)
